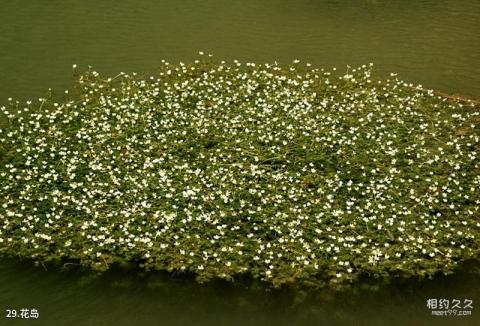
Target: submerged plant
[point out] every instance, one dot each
(289, 174)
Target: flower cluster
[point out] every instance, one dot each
(287, 173)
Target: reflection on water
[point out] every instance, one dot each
(128, 297)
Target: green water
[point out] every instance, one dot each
(120, 298)
(432, 42)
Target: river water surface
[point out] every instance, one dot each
(432, 42)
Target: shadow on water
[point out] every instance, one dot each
(125, 297)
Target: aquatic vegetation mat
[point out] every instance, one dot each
(287, 173)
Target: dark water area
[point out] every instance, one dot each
(431, 42)
(120, 297)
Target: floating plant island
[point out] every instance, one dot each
(285, 173)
